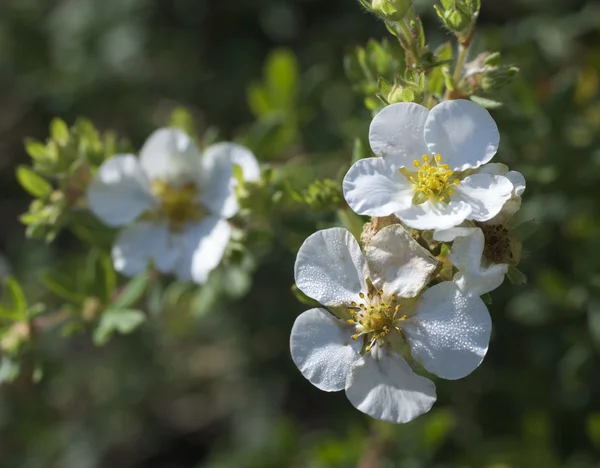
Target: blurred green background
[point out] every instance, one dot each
(215, 386)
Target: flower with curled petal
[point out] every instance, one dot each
(377, 321)
(427, 173)
(173, 203)
(483, 252)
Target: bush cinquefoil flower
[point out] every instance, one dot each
(483, 252)
(378, 320)
(427, 175)
(173, 202)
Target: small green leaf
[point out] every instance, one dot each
(258, 100)
(282, 73)
(303, 298)
(132, 291)
(525, 229)
(59, 131)
(63, 287)
(17, 297)
(358, 151)
(516, 276)
(35, 184)
(485, 102)
(122, 321)
(35, 149)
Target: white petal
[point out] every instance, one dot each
(236, 154)
(463, 132)
(170, 155)
(202, 247)
(323, 350)
(485, 194)
(373, 187)
(385, 387)
(450, 331)
(397, 263)
(448, 235)
(435, 215)
(141, 242)
(518, 181)
(120, 191)
(466, 255)
(331, 268)
(396, 133)
(217, 181)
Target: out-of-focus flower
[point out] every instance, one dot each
(379, 321)
(173, 203)
(427, 175)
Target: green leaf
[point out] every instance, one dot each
(64, 287)
(258, 100)
(485, 102)
(132, 291)
(35, 149)
(487, 299)
(17, 297)
(303, 298)
(525, 229)
(358, 151)
(122, 321)
(282, 74)
(516, 276)
(59, 131)
(35, 184)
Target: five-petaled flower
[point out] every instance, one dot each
(377, 319)
(173, 203)
(427, 175)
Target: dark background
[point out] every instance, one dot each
(218, 388)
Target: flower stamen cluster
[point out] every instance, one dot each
(375, 319)
(434, 180)
(178, 205)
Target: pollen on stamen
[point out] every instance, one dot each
(438, 157)
(361, 295)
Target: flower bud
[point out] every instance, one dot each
(495, 79)
(392, 10)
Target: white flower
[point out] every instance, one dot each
(483, 253)
(426, 175)
(379, 311)
(476, 274)
(173, 203)
(513, 204)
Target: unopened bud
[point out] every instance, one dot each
(393, 10)
(496, 79)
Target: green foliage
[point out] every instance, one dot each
(60, 173)
(274, 102)
(208, 380)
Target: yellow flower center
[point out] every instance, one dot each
(375, 317)
(433, 180)
(178, 205)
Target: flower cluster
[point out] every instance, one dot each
(173, 203)
(401, 305)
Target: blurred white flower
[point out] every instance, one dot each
(173, 202)
(427, 175)
(376, 310)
